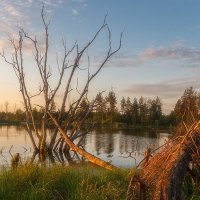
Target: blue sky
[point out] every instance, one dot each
(160, 54)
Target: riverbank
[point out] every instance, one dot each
(63, 182)
(74, 182)
(114, 126)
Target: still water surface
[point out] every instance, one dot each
(123, 148)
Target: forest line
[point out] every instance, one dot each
(130, 112)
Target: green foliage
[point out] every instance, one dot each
(143, 112)
(63, 182)
(187, 107)
(19, 116)
(190, 189)
(111, 102)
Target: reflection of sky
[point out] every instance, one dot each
(121, 148)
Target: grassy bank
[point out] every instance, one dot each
(32, 182)
(59, 182)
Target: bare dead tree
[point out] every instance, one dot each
(68, 115)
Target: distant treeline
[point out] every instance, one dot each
(131, 112)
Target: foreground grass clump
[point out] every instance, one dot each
(63, 182)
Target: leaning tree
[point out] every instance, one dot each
(68, 119)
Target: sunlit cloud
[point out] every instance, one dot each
(19, 12)
(12, 11)
(166, 89)
(169, 91)
(124, 61)
(11, 16)
(28, 47)
(185, 53)
(4, 44)
(186, 56)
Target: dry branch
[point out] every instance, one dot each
(164, 173)
(70, 62)
(80, 151)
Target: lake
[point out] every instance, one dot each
(122, 148)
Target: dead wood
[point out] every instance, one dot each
(85, 154)
(68, 65)
(136, 189)
(164, 172)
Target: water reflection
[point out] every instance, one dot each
(124, 148)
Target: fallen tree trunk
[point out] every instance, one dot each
(172, 178)
(85, 154)
(164, 173)
(172, 187)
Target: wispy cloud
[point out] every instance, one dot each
(77, 6)
(121, 60)
(185, 53)
(186, 56)
(166, 89)
(52, 3)
(27, 46)
(9, 9)
(17, 13)
(4, 44)
(75, 12)
(169, 91)
(11, 15)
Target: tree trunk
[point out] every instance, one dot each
(35, 148)
(88, 156)
(171, 188)
(164, 173)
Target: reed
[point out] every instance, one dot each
(63, 182)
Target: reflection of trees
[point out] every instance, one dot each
(117, 143)
(104, 142)
(126, 144)
(19, 128)
(109, 143)
(137, 143)
(98, 142)
(51, 158)
(123, 142)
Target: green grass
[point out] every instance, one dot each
(63, 182)
(190, 188)
(78, 182)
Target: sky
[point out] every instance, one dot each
(160, 53)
